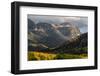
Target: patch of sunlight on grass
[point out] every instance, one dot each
(40, 56)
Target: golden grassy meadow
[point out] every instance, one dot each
(35, 55)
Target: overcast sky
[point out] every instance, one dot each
(81, 22)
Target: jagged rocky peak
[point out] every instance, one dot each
(51, 35)
(31, 24)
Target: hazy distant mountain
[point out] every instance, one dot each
(45, 35)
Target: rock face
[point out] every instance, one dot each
(78, 46)
(31, 25)
(45, 35)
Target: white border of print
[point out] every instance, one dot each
(25, 64)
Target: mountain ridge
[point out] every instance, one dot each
(50, 35)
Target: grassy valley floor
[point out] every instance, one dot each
(35, 55)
